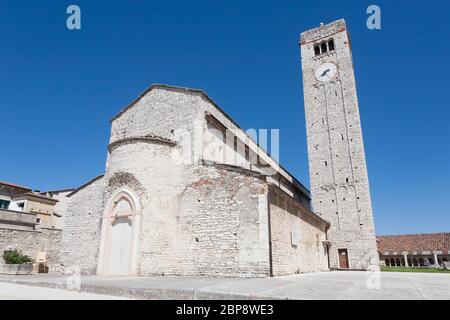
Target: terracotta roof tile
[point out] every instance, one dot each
(9, 184)
(414, 242)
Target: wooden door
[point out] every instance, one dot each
(119, 263)
(343, 258)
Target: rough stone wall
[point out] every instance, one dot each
(288, 218)
(197, 219)
(219, 229)
(159, 112)
(337, 166)
(82, 228)
(61, 207)
(30, 242)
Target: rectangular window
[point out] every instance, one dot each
(4, 204)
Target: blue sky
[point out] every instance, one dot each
(59, 88)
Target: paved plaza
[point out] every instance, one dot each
(326, 285)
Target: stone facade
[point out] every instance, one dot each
(82, 225)
(194, 210)
(337, 166)
(297, 237)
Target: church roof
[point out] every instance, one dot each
(85, 185)
(200, 92)
(205, 96)
(414, 242)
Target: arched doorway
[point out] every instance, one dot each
(118, 245)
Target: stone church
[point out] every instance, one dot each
(186, 192)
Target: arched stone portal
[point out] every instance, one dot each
(120, 228)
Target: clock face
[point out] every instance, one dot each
(326, 71)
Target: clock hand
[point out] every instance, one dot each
(325, 73)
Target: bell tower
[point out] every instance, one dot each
(337, 164)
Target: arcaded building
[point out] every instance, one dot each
(414, 250)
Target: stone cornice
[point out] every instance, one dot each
(148, 139)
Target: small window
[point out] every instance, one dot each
(323, 47)
(330, 45)
(38, 220)
(4, 204)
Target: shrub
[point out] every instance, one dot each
(16, 257)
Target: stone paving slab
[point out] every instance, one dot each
(12, 291)
(326, 285)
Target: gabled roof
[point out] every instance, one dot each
(167, 87)
(205, 96)
(85, 185)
